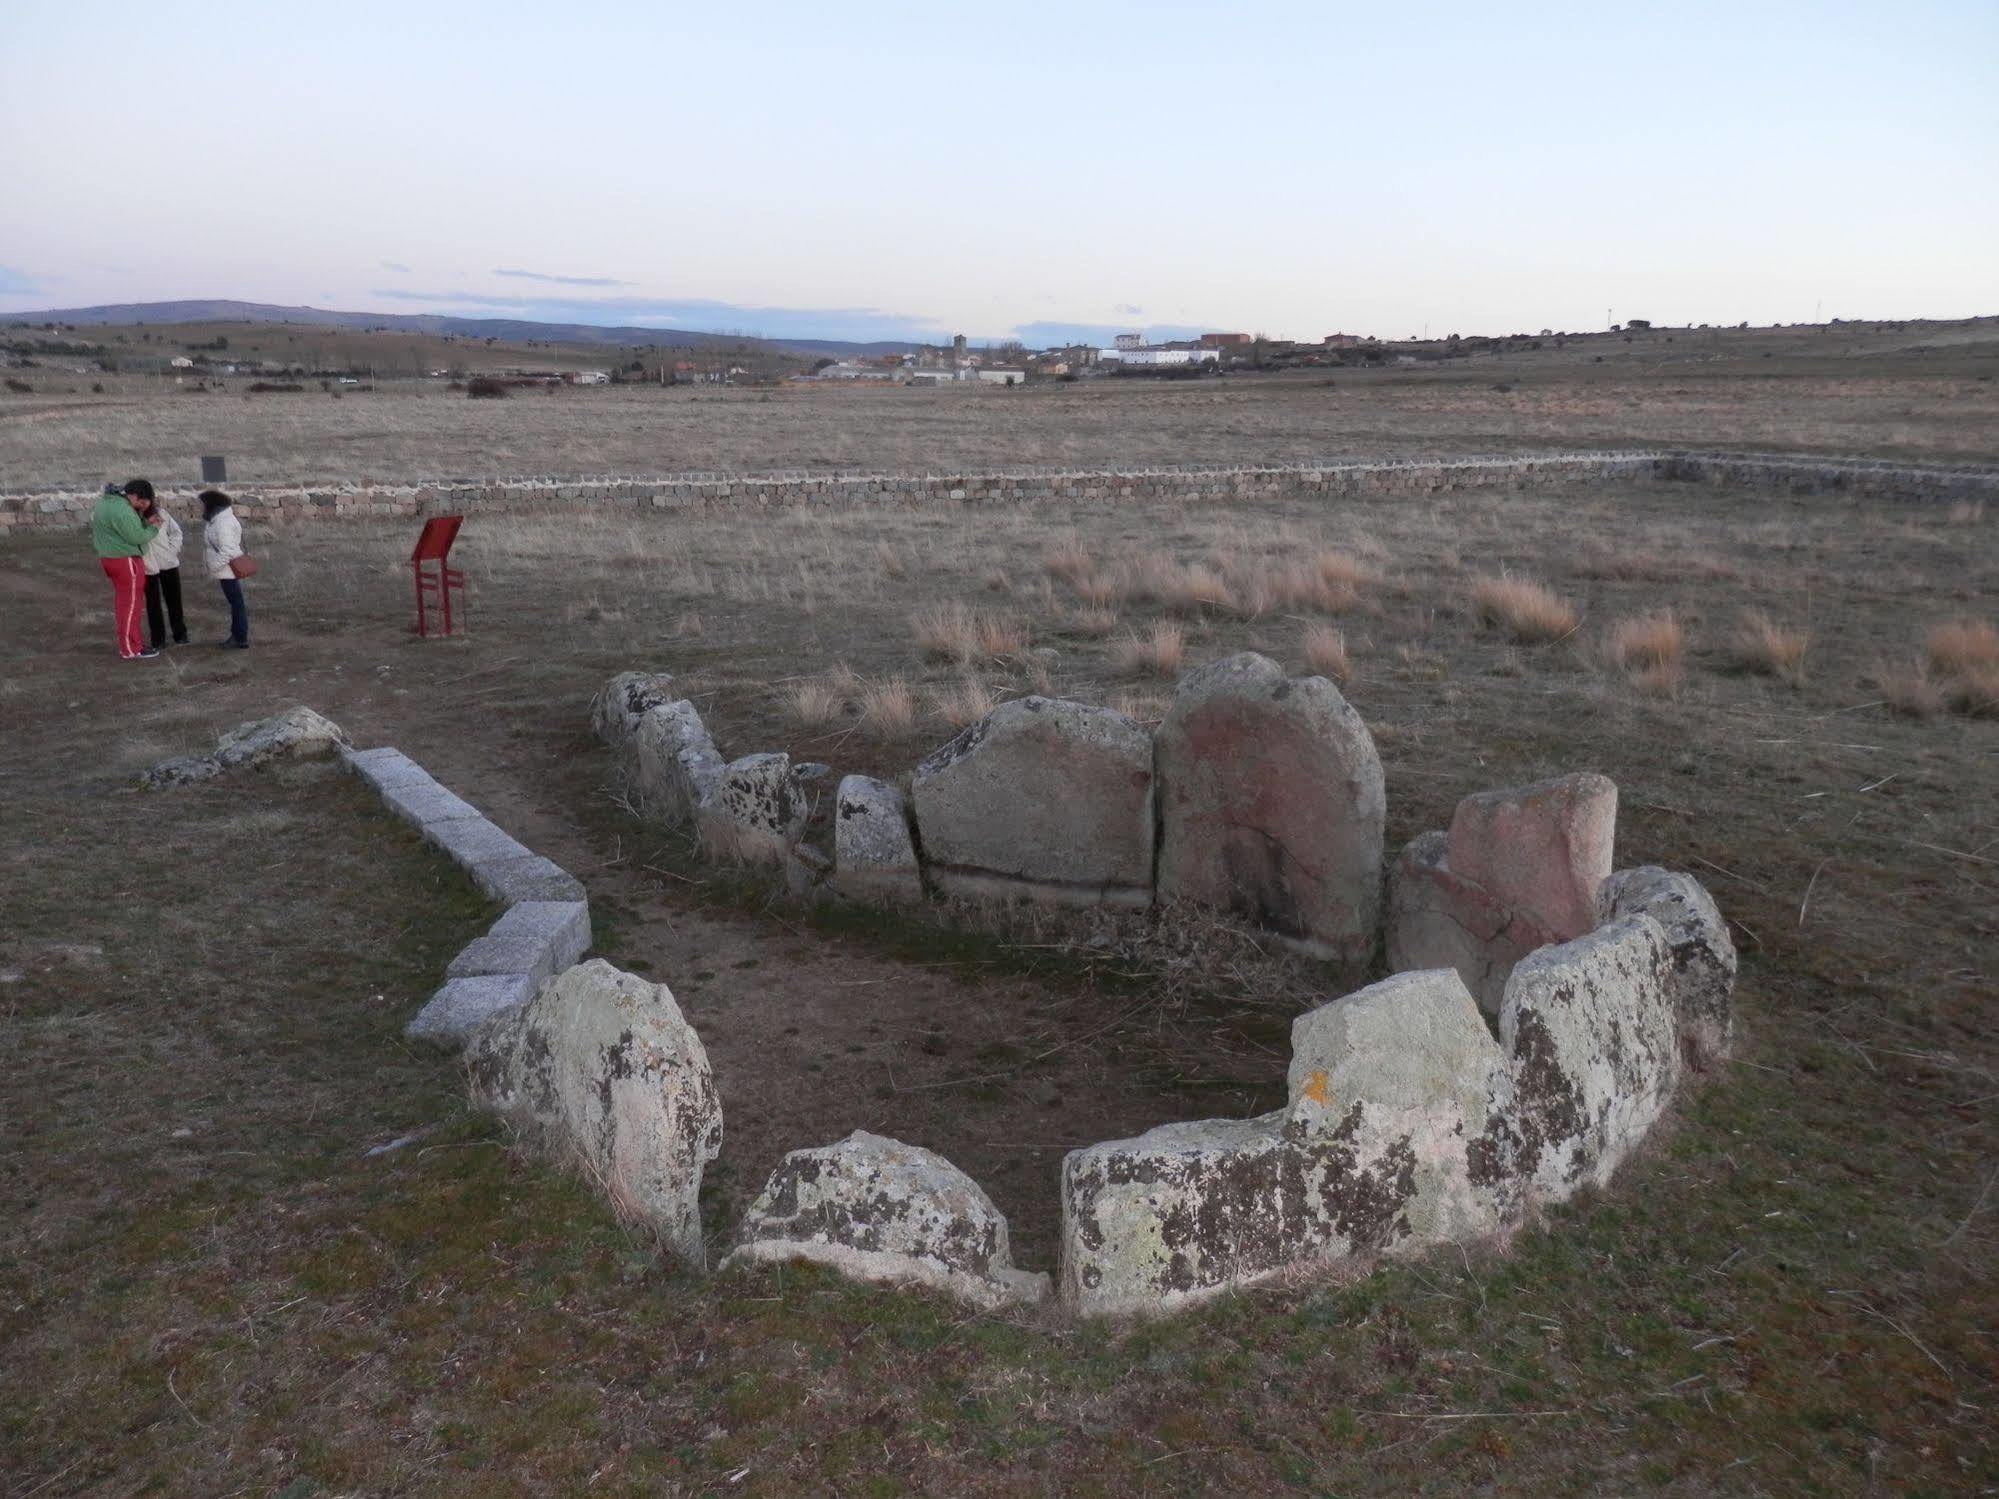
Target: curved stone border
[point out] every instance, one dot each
(795, 488)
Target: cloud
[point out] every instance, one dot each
(562, 280)
(1125, 309)
(395, 265)
(699, 315)
(18, 283)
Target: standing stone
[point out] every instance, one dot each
(676, 766)
(755, 812)
(1437, 920)
(621, 702)
(600, 1069)
(1271, 805)
(1041, 798)
(1702, 985)
(874, 858)
(1404, 1069)
(1542, 850)
(880, 1210)
(1592, 1046)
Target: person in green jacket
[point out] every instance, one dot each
(119, 537)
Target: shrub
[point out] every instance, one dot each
(484, 387)
(1763, 645)
(1528, 611)
(1325, 651)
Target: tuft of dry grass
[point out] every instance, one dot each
(1645, 643)
(1909, 690)
(1140, 707)
(891, 560)
(1097, 590)
(1961, 646)
(1325, 651)
(952, 632)
(814, 701)
(1966, 513)
(1000, 636)
(1662, 679)
(1763, 645)
(1625, 566)
(1159, 651)
(689, 624)
(1343, 570)
(1974, 692)
(888, 706)
(965, 704)
(1530, 612)
(1068, 561)
(997, 581)
(1095, 623)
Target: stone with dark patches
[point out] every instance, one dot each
(1592, 1044)
(1041, 799)
(874, 856)
(675, 765)
(620, 703)
(880, 1210)
(1271, 805)
(600, 1069)
(1702, 984)
(755, 811)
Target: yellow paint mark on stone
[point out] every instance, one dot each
(1315, 1086)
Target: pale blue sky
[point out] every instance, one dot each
(907, 170)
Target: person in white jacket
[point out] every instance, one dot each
(162, 559)
(222, 544)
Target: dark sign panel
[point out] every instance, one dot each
(214, 471)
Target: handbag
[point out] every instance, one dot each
(243, 566)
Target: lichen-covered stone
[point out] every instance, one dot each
(1593, 1055)
(874, 858)
(600, 1069)
(621, 702)
(181, 770)
(1388, 1090)
(880, 1210)
(675, 763)
(1438, 920)
(1702, 985)
(1541, 850)
(1271, 805)
(755, 811)
(1041, 798)
(297, 733)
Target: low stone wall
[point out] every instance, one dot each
(41, 510)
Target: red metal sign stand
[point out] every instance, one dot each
(435, 578)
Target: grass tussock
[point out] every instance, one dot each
(1160, 651)
(1325, 651)
(1645, 642)
(952, 632)
(1068, 561)
(888, 706)
(891, 561)
(1762, 645)
(1962, 645)
(965, 703)
(1651, 567)
(1909, 690)
(814, 702)
(1140, 707)
(1094, 623)
(1530, 612)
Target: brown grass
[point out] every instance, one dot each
(1961, 646)
(888, 706)
(1974, 692)
(965, 703)
(952, 632)
(1763, 645)
(814, 701)
(891, 560)
(1141, 707)
(1068, 561)
(1645, 643)
(1528, 611)
(1160, 651)
(1909, 690)
(1325, 651)
(1095, 623)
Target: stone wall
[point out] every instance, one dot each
(797, 489)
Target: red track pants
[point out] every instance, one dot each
(128, 600)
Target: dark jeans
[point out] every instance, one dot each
(164, 588)
(239, 616)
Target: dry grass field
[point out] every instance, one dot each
(209, 1286)
(1916, 394)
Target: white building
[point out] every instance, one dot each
(1002, 377)
(1130, 340)
(592, 377)
(1158, 356)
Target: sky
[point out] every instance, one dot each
(1009, 170)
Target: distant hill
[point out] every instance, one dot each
(511, 330)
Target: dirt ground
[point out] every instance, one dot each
(210, 1287)
(1914, 393)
